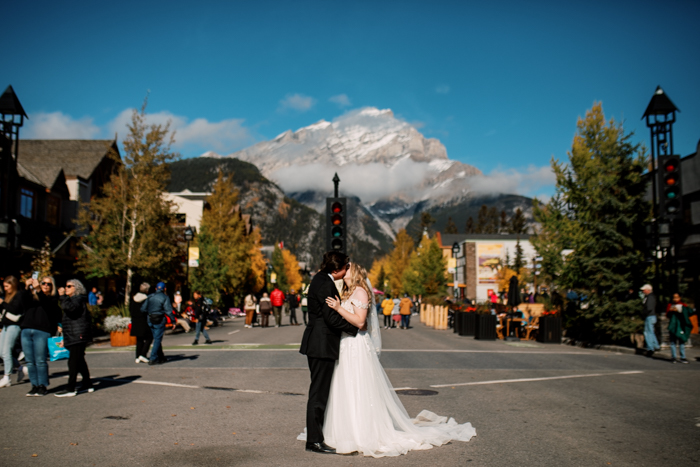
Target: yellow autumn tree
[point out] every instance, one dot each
(378, 274)
(399, 260)
(258, 265)
(291, 269)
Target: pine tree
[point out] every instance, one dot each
(518, 224)
(426, 273)
(223, 221)
(598, 212)
(451, 227)
(280, 269)
(399, 259)
(469, 229)
(482, 220)
(129, 226)
(493, 221)
(503, 228)
(210, 276)
(519, 260)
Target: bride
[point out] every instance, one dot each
(364, 414)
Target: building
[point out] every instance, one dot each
(190, 206)
(479, 259)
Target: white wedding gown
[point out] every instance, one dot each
(364, 414)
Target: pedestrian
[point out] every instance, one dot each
(395, 313)
(249, 308)
(277, 299)
(39, 323)
(387, 307)
(139, 323)
(92, 297)
(180, 316)
(679, 326)
(405, 307)
(649, 313)
(293, 302)
(77, 334)
(265, 310)
(305, 304)
(157, 306)
(201, 311)
(12, 311)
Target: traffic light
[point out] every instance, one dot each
(670, 191)
(336, 224)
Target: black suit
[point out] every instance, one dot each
(321, 345)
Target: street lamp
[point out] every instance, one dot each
(455, 252)
(189, 235)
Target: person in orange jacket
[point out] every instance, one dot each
(277, 299)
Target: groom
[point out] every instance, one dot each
(321, 344)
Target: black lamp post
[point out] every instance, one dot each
(12, 117)
(455, 252)
(660, 116)
(189, 235)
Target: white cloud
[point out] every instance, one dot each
(297, 102)
(223, 136)
(57, 125)
(342, 100)
(531, 181)
(442, 89)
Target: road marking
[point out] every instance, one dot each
(189, 386)
(527, 380)
(255, 347)
(233, 332)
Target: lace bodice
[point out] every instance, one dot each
(354, 299)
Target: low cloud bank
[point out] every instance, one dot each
(57, 125)
(373, 182)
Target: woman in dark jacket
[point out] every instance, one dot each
(11, 310)
(76, 335)
(139, 324)
(39, 323)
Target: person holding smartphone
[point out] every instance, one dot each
(77, 334)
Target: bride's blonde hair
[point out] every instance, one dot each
(359, 279)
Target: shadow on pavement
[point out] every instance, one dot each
(102, 382)
(180, 357)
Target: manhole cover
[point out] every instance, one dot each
(416, 392)
(115, 417)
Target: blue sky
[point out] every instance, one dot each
(500, 83)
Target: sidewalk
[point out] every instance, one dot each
(692, 352)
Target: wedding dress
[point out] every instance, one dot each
(364, 414)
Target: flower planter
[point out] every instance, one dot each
(485, 327)
(121, 338)
(467, 323)
(550, 329)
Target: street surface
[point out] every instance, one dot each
(241, 402)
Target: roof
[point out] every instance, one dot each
(447, 240)
(9, 104)
(660, 104)
(45, 176)
(76, 157)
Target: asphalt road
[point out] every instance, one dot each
(241, 401)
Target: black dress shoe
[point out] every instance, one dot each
(323, 448)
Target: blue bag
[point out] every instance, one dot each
(56, 349)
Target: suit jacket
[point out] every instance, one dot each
(322, 335)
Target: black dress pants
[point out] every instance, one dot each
(142, 345)
(321, 377)
(77, 364)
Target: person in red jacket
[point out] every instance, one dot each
(277, 299)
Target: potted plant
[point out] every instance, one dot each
(117, 324)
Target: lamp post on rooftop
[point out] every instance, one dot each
(455, 288)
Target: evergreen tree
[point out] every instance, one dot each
(469, 229)
(451, 227)
(427, 270)
(482, 220)
(210, 276)
(518, 224)
(493, 221)
(224, 223)
(426, 222)
(398, 260)
(280, 269)
(381, 278)
(503, 228)
(519, 260)
(129, 226)
(598, 212)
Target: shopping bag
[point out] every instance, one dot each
(56, 349)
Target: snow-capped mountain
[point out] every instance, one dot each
(384, 161)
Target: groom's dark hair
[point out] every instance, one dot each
(334, 261)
